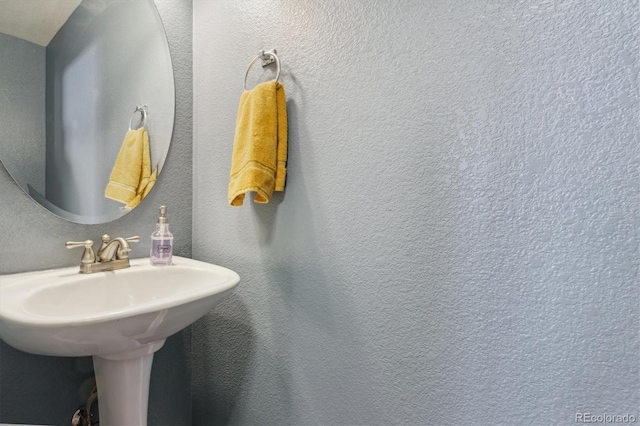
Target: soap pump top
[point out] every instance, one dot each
(163, 215)
(162, 227)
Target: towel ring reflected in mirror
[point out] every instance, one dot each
(268, 57)
(143, 111)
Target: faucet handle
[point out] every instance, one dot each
(123, 252)
(106, 239)
(88, 256)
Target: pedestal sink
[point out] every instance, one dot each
(120, 318)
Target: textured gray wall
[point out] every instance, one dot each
(22, 97)
(44, 390)
(458, 240)
(110, 56)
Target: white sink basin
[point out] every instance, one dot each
(119, 317)
(111, 314)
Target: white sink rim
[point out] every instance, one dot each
(16, 289)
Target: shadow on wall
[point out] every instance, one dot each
(60, 405)
(320, 346)
(227, 343)
(290, 341)
(311, 330)
(170, 390)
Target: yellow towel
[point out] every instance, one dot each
(259, 155)
(131, 178)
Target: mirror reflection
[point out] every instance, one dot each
(74, 78)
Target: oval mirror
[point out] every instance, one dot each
(74, 76)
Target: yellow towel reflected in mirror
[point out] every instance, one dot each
(131, 178)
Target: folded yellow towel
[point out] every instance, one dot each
(259, 155)
(131, 178)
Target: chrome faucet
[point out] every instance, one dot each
(112, 255)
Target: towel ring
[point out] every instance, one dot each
(267, 57)
(143, 111)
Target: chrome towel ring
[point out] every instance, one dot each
(143, 111)
(268, 57)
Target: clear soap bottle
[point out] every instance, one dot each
(162, 241)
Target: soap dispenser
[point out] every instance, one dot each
(162, 241)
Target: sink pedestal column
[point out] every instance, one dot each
(123, 390)
(123, 387)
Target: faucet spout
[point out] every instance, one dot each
(118, 248)
(115, 249)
